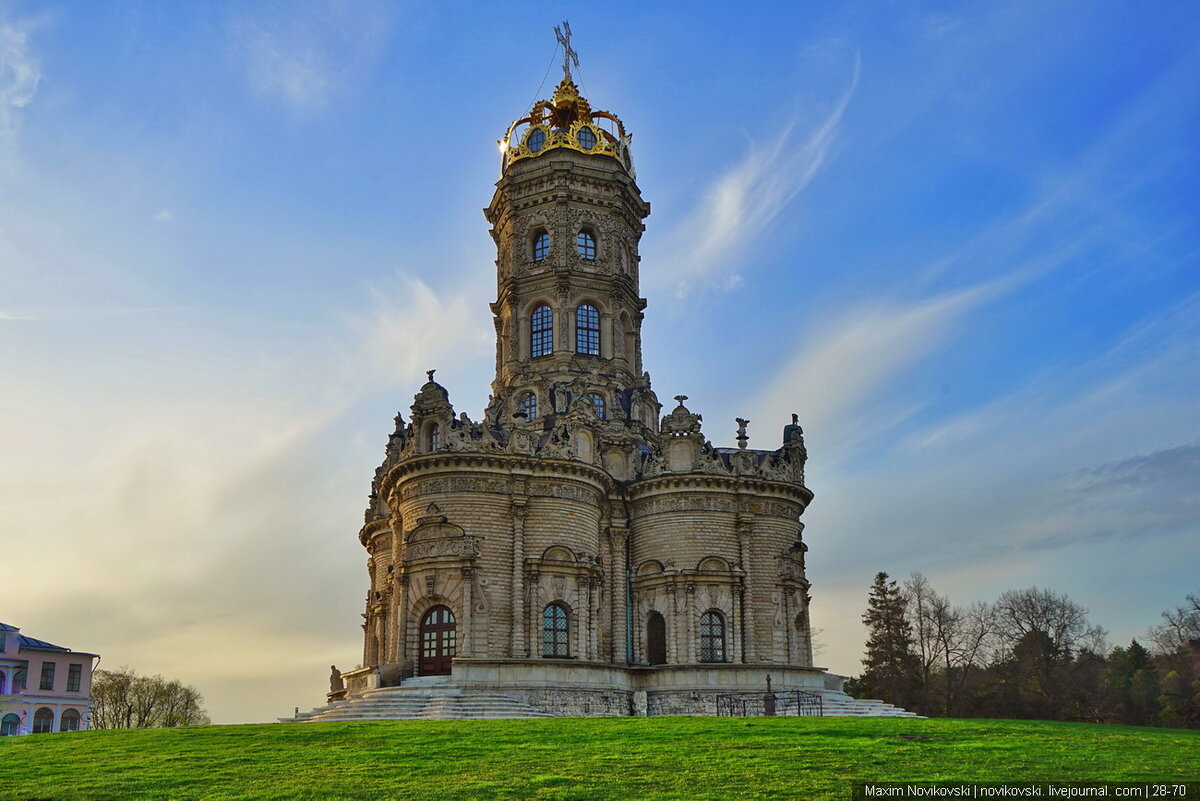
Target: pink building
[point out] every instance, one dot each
(43, 687)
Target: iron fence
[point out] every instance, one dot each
(783, 702)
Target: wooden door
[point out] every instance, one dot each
(438, 641)
(656, 639)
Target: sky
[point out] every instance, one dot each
(960, 240)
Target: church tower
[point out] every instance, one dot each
(567, 219)
(574, 549)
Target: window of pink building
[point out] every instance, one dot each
(74, 676)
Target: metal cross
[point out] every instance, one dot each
(569, 55)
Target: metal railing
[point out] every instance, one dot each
(783, 702)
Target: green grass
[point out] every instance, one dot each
(578, 758)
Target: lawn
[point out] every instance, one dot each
(577, 758)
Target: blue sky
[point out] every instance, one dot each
(960, 240)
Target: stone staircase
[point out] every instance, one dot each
(422, 698)
(835, 703)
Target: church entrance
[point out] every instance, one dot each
(656, 639)
(437, 634)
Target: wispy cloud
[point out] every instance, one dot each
(746, 200)
(20, 73)
(309, 51)
(410, 328)
(856, 355)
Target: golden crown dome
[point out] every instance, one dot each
(566, 121)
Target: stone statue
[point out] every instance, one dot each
(742, 436)
(793, 433)
(336, 685)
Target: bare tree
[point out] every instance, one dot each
(126, 700)
(1021, 612)
(1181, 627)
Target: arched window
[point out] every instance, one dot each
(70, 721)
(712, 637)
(43, 721)
(541, 332)
(541, 246)
(2, 683)
(435, 436)
(587, 139)
(18, 683)
(556, 630)
(597, 401)
(10, 726)
(585, 245)
(587, 330)
(529, 405)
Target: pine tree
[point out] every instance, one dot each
(891, 665)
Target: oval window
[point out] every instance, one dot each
(536, 139)
(587, 139)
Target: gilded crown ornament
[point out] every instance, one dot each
(566, 122)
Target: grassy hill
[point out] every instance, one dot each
(574, 758)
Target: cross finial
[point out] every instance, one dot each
(569, 55)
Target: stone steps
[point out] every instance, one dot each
(839, 704)
(427, 700)
(436, 698)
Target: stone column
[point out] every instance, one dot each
(606, 335)
(564, 320)
(533, 643)
(789, 630)
(401, 624)
(397, 591)
(736, 627)
(468, 637)
(617, 536)
(750, 645)
(583, 618)
(692, 621)
(517, 643)
(636, 635)
(672, 617)
(595, 594)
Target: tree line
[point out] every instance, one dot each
(125, 700)
(1031, 653)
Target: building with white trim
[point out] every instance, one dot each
(43, 687)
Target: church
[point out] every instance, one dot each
(576, 551)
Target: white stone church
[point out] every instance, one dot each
(576, 551)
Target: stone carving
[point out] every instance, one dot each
(464, 547)
(691, 501)
(437, 486)
(680, 421)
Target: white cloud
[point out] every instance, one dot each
(20, 73)
(410, 328)
(307, 53)
(164, 216)
(828, 382)
(745, 201)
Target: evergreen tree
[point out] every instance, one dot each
(891, 666)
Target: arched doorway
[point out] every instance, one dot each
(656, 639)
(438, 641)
